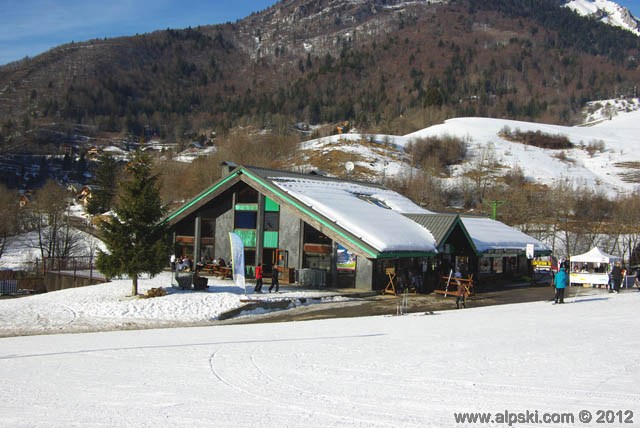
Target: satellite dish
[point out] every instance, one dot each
(349, 166)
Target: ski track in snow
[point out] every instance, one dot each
(253, 371)
(257, 380)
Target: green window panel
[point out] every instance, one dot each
(246, 207)
(270, 240)
(269, 205)
(248, 237)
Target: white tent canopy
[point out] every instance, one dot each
(595, 255)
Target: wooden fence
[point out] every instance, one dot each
(16, 282)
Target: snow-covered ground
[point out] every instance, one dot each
(110, 306)
(390, 371)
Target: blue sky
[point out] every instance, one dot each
(632, 5)
(30, 27)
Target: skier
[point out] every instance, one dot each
(560, 282)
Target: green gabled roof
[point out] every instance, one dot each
(259, 176)
(259, 179)
(201, 198)
(441, 225)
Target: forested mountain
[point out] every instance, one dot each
(385, 65)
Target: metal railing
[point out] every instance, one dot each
(73, 263)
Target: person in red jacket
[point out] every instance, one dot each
(258, 287)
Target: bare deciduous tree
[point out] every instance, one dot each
(9, 215)
(48, 217)
(483, 171)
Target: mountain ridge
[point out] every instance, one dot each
(387, 66)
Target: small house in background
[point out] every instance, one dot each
(84, 195)
(93, 153)
(24, 200)
(73, 188)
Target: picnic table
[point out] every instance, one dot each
(221, 271)
(450, 286)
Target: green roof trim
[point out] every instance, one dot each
(201, 196)
(311, 214)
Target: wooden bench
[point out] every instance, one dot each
(450, 286)
(221, 271)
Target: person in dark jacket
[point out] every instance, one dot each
(274, 279)
(560, 282)
(199, 282)
(616, 278)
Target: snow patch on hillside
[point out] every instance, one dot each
(603, 157)
(608, 12)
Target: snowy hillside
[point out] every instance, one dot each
(604, 157)
(608, 12)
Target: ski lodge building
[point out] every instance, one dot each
(323, 231)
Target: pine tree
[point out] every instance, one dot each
(103, 194)
(135, 237)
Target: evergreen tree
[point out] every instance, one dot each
(80, 167)
(136, 237)
(103, 193)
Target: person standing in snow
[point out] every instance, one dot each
(462, 290)
(560, 282)
(274, 279)
(616, 278)
(258, 287)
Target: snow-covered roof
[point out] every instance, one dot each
(594, 255)
(490, 235)
(362, 216)
(113, 150)
(371, 213)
